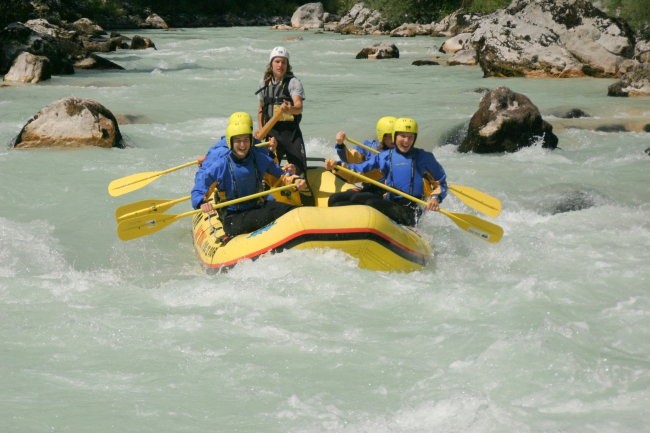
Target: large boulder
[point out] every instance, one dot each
(409, 30)
(379, 51)
(71, 122)
(455, 23)
(28, 68)
(552, 38)
(635, 81)
(460, 50)
(505, 122)
(154, 21)
(93, 61)
(362, 20)
(308, 16)
(141, 43)
(642, 51)
(66, 47)
(42, 39)
(87, 27)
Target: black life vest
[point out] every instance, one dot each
(276, 94)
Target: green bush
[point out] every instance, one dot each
(635, 12)
(14, 10)
(487, 6)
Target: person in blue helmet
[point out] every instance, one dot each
(238, 173)
(406, 168)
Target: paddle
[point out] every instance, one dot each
(472, 197)
(263, 132)
(484, 229)
(361, 145)
(146, 206)
(477, 200)
(145, 225)
(136, 181)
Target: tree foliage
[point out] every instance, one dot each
(635, 12)
(13, 10)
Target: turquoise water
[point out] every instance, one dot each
(546, 331)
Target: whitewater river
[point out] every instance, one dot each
(546, 331)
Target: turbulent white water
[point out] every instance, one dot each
(546, 331)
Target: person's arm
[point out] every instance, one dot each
(345, 154)
(260, 123)
(437, 179)
(432, 190)
(297, 105)
(341, 149)
(277, 176)
(203, 179)
(260, 109)
(441, 177)
(372, 163)
(297, 93)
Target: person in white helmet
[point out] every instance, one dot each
(279, 89)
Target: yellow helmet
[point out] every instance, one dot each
(405, 124)
(385, 126)
(238, 128)
(240, 116)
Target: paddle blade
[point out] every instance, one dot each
(145, 207)
(131, 208)
(130, 183)
(264, 131)
(477, 226)
(477, 200)
(133, 182)
(137, 227)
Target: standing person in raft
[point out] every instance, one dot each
(406, 168)
(239, 173)
(280, 90)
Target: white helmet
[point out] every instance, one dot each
(279, 52)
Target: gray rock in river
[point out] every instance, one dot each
(71, 122)
(505, 122)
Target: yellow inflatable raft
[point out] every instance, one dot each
(364, 233)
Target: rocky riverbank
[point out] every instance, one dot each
(531, 38)
(559, 39)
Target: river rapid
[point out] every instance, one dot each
(546, 331)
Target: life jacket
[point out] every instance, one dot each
(276, 94)
(402, 175)
(241, 183)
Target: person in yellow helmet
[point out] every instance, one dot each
(384, 140)
(406, 168)
(220, 148)
(280, 89)
(238, 173)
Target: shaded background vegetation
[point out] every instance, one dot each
(110, 12)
